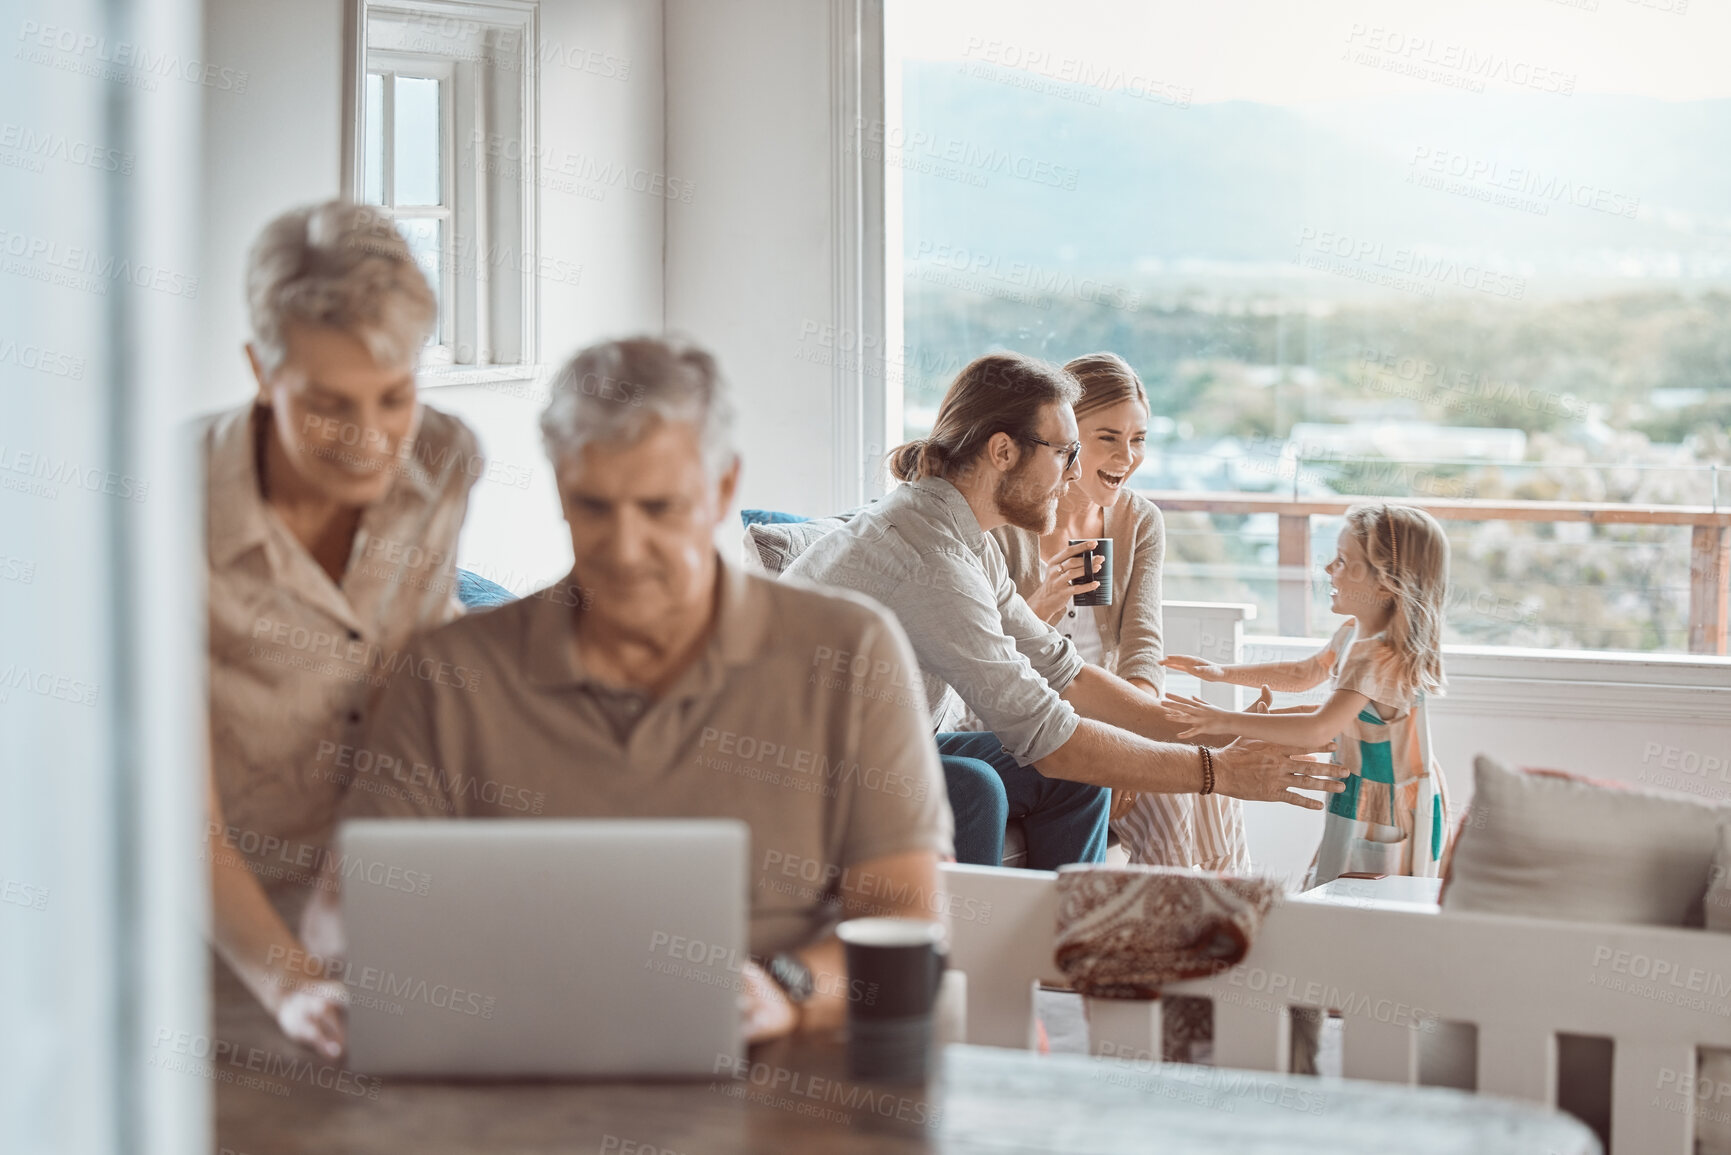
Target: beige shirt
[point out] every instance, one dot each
(803, 717)
(296, 660)
(1130, 626)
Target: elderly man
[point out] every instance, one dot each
(1002, 451)
(655, 680)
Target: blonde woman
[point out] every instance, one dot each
(333, 500)
(1190, 830)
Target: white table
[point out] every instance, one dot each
(1001, 1101)
(1391, 892)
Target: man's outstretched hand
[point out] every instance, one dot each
(1265, 772)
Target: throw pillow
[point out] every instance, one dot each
(776, 546)
(750, 517)
(477, 592)
(1554, 846)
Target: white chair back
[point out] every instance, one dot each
(1658, 993)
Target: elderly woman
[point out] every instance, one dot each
(1112, 421)
(333, 500)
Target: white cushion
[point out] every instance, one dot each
(1557, 847)
(777, 545)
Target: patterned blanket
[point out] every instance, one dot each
(1126, 931)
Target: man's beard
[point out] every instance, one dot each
(1023, 508)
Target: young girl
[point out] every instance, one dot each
(1390, 576)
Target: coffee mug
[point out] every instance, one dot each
(896, 966)
(1096, 566)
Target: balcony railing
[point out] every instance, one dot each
(1709, 553)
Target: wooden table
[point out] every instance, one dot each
(275, 1099)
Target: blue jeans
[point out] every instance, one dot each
(1065, 821)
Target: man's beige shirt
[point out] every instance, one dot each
(297, 660)
(803, 717)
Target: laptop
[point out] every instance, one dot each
(497, 948)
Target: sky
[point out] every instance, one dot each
(1290, 51)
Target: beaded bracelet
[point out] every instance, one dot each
(1207, 769)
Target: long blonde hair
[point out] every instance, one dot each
(1106, 379)
(1410, 553)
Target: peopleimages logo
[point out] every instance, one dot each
(42, 360)
(549, 161)
(45, 256)
(317, 859)
(1467, 174)
(92, 52)
(1004, 278)
(1409, 267)
(51, 471)
(364, 980)
(968, 154)
(1448, 63)
(1421, 379)
(1076, 70)
(40, 146)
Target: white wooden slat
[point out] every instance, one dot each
(1518, 1062)
(1652, 1098)
(1001, 1014)
(1386, 1052)
(1124, 1029)
(1001, 927)
(1251, 1033)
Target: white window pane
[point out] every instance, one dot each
(426, 239)
(373, 191)
(418, 168)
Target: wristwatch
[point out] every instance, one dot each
(791, 975)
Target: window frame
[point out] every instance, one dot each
(449, 212)
(467, 314)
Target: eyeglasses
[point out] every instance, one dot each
(1072, 451)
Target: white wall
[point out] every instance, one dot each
(279, 144)
(601, 112)
(750, 260)
(276, 145)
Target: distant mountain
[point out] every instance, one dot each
(1564, 191)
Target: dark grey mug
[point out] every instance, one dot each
(896, 965)
(1096, 566)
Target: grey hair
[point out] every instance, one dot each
(343, 265)
(617, 392)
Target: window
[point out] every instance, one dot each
(1425, 252)
(438, 86)
(408, 146)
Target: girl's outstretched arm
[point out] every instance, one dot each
(1288, 677)
(1310, 729)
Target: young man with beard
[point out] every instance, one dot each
(1002, 452)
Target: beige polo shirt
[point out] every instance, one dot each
(296, 660)
(803, 717)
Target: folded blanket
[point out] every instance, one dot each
(1126, 931)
